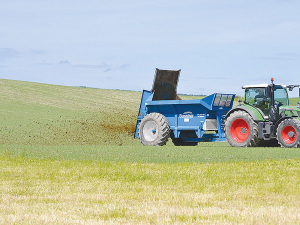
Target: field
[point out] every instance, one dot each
(68, 157)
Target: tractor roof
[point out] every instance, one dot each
(255, 86)
(260, 86)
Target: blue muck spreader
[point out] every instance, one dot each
(163, 114)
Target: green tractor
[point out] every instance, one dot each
(265, 118)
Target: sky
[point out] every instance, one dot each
(219, 45)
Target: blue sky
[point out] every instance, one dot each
(218, 45)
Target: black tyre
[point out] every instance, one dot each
(181, 142)
(154, 130)
(241, 130)
(288, 133)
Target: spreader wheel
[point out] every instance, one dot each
(154, 130)
(241, 130)
(288, 133)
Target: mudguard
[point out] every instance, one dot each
(256, 116)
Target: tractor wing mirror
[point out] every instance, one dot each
(291, 87)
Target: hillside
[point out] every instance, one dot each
(41, 114)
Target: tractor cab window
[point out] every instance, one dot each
(257, 97)
(280, 95)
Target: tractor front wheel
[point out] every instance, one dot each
(154, 130)
(241, 130)
(288, 133)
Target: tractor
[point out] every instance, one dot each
(265, 118)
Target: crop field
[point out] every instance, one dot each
(67, 156)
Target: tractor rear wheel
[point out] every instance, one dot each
(241, 130)
(154, 130)
(288, 133)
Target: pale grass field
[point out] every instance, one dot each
(72, 192)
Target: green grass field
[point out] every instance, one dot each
(68, 157)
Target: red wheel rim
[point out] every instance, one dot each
(289, 134)
(239, 130)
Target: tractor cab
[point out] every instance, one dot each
(259, 96)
